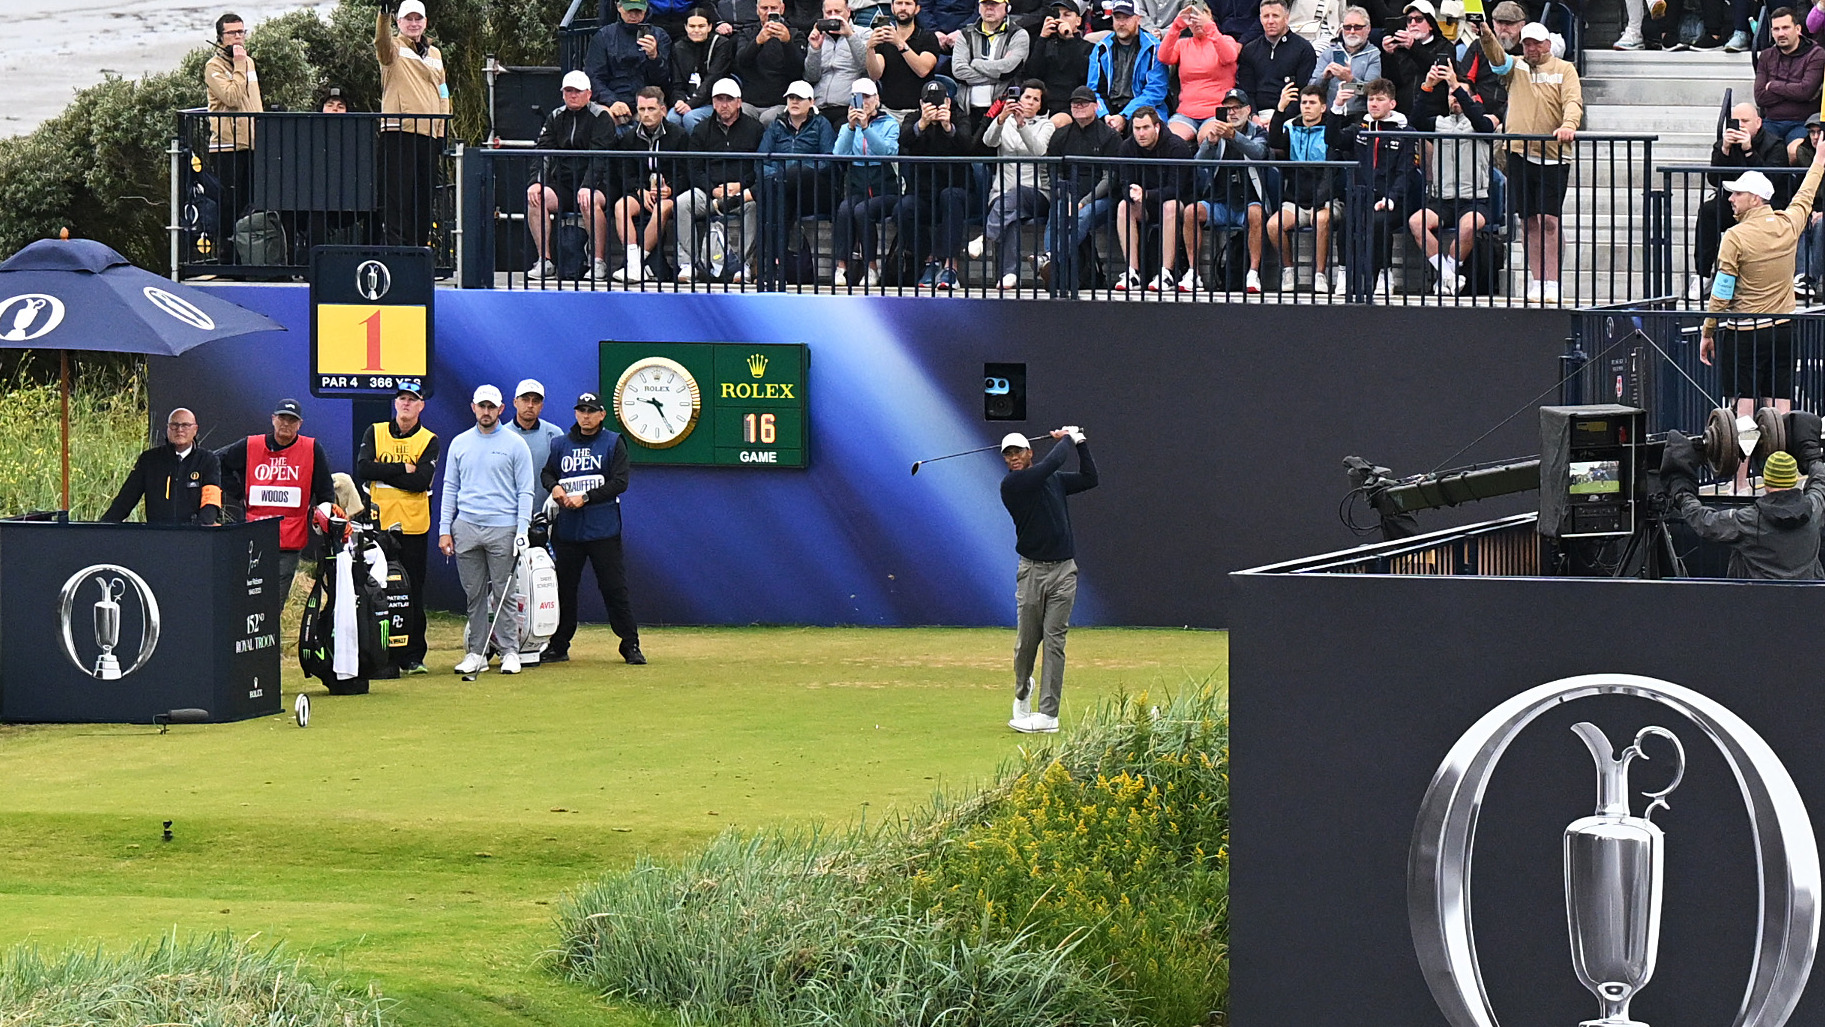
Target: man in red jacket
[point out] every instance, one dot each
(280, 474)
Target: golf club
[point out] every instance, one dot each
(980, 449)
(502, 605)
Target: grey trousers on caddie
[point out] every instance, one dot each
(484, 562)
(1043, 595)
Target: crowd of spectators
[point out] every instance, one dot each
(1112, 87)
(1779, 128)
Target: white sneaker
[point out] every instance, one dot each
(1631, 41)
(1533, 291)
(542, 269)
(598, 271)
(871, 276)
(745, 274)
(633, 272)
(1035, 724)
(1010, 281)
(1448, 283)
(839, 278)
(474, 663)
(1384, 283)
(1163, 282)
(1252, 284)
(1190, 282)
(1340, 280)
(510, 663)
(1129, 281)
(1289, 279)
(1549, 293)
(685, 273)
(976, 246)
(1321, 283)
(1023, 708)
(1695, 288)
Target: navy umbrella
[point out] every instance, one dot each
(77, 294)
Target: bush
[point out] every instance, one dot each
(1088, 885)
(210, 981)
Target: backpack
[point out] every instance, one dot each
(259, 240)
(1488, 259)
(570, 248)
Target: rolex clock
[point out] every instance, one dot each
(658, 401)
(715, 404)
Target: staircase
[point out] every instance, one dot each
(1676, 96)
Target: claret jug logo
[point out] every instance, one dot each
(29, 316)
(757, 364)
(115, 590)
(1614, 860)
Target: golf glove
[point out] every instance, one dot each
(1076, 433)
(519, 542)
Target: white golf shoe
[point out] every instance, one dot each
(474, 663)
(1036, 724)
(510, 663)
(1023, 708)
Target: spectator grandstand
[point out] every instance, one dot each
(1637, 173)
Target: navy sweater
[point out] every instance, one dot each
(1035, 498)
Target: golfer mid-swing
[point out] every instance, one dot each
(1046, 584)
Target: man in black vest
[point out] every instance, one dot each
(586, 473)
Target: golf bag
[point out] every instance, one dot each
(535, 588)
(342, 640)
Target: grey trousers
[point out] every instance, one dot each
(1043, 596)
(691, 251)
(484, 562)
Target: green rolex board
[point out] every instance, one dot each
(708, 404)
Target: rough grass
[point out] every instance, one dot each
(107, 433)
(207, 981)
(414, 840)
(1088, 884)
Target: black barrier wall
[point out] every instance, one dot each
(1219, 432)
(1348, 690)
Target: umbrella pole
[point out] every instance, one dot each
(63, 358)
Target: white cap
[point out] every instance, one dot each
(1014, 440)
(800, 89)
(866, 87)
(412, 7)
(1535, 30)
(1422, 6)
(726, 87)
(532, 385)
(576, 80)
(1453, 9)
(484, 393)
(1752, 182)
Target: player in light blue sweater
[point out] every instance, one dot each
(485, 509)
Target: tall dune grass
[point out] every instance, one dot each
(107, 433)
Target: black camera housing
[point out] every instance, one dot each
(830, 26)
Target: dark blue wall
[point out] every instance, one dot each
(1218, 429)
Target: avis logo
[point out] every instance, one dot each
(757, 364)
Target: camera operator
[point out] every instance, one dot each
(1777, 536)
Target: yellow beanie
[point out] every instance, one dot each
(1781, 471)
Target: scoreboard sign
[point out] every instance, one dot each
(716, 404)
(371, 324)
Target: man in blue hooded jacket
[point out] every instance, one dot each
(586, 474)
(1125, 69)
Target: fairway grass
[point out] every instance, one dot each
(414, 839)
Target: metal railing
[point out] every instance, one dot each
(252, 193)
(1001, 226)
(1509, 547)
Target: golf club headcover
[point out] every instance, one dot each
(1679, 464)
(1803, 438)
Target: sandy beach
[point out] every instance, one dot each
(55, 47)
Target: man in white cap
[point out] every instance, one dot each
(566, 185)
(537, 433)
(486, 508)
(1046, 583)
(412, 85)
(720, 187)
(1544, 99)
(1755, 277)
